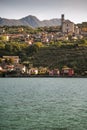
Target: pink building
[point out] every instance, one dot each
(54, 72)
(66, 71)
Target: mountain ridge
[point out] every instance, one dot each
(31, 21)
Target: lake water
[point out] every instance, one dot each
(43, 104)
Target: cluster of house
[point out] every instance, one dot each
(11, 64)
(17, 69)
(67, 28)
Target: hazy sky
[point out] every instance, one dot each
(75, 10)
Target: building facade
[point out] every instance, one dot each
(68, 27)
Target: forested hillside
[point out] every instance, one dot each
(75, 57)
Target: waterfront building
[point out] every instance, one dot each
(66, 71)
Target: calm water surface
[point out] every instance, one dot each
(43, 104)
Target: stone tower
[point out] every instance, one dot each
(62, 18)
(62, 21)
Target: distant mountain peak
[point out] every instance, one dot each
(31, 21)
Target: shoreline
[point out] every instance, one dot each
(41, 76)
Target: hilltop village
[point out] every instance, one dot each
(58, 51)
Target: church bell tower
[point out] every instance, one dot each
(62, 21)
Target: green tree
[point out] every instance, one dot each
(4, 38)
(32, 49)
(59, 43)
(8, 47)
(39, 44)
(2, 46)
(0, 60)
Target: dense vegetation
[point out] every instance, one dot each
(49, 56)
(57, 57)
